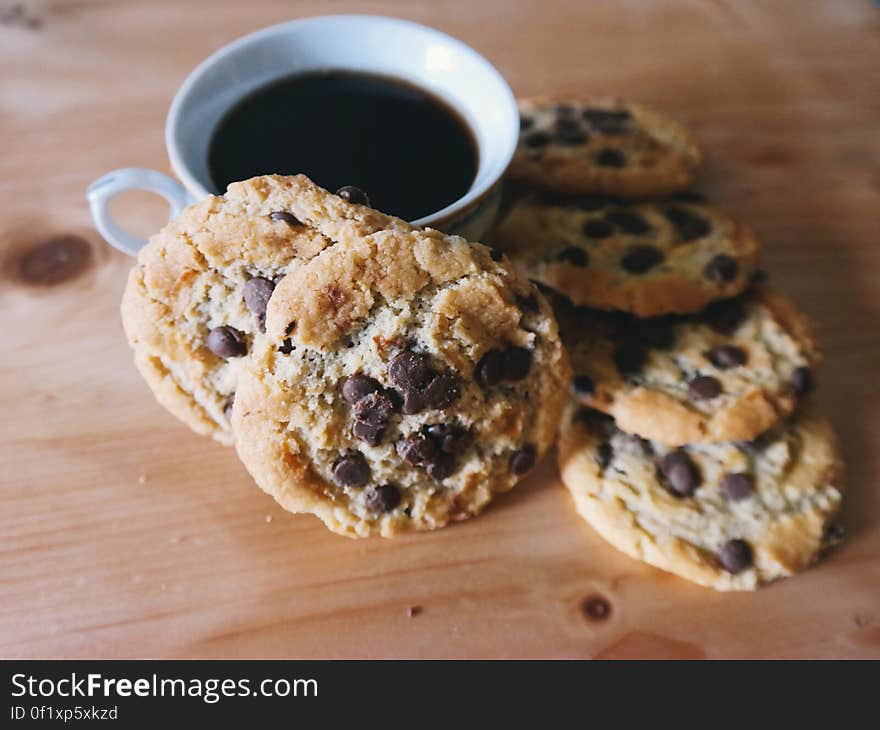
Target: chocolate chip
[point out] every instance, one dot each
(704, 387)
(416, 449)
(367, 432)
(226, 342)
(680, 473)
(640, 259)
(629, 356)
(490, 369)
(604, 454)
(351, 470)
(574, 256)
(428, 452)
(384, 498)
(409, 371)
(727, 356)
(737, 486)
(356, 386)
(286, 347)
(374, 408)
(517, 362)
(564, 111)
(443, 466)
(594, 114)
(610, 157)
(441, 392)
(353, 195)
(526, 122)
(450, 439)
(608, 121)
(629, 222)
(371, 414)
(227, 409)
(256, 296)
(735, 556)
(537, 139)
(284, 216)
(724, 316)
(512, 364)
(582, 385)
(457, 442)
(395, 397)
(413, 402)
(688, 226)
(522, 460)
(801, 380)
(495, 254)
(611, 127)
(571, 136)
(597, 228)
(722, 268)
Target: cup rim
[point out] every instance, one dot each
(473, 195)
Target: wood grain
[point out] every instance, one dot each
(123, 534)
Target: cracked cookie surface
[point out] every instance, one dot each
(197, 296)
(729, 516)
(607, 147)
(403, 381)
(647, 258)
(727, 373)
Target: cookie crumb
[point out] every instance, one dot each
(268, 519)
(413, 611)
(142, 479)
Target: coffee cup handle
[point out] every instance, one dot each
(108, 186)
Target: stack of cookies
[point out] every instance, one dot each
(382, 377)
(688, 442)
(388, 378)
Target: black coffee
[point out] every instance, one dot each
(408, 150)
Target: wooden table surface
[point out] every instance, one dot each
(123, 534)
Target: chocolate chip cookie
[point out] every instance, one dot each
(730, 516)
(728, 373)
(648, 258)
(403, 380)
(607, 147)
(198, 294)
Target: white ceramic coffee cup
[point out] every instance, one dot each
(423, 56)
